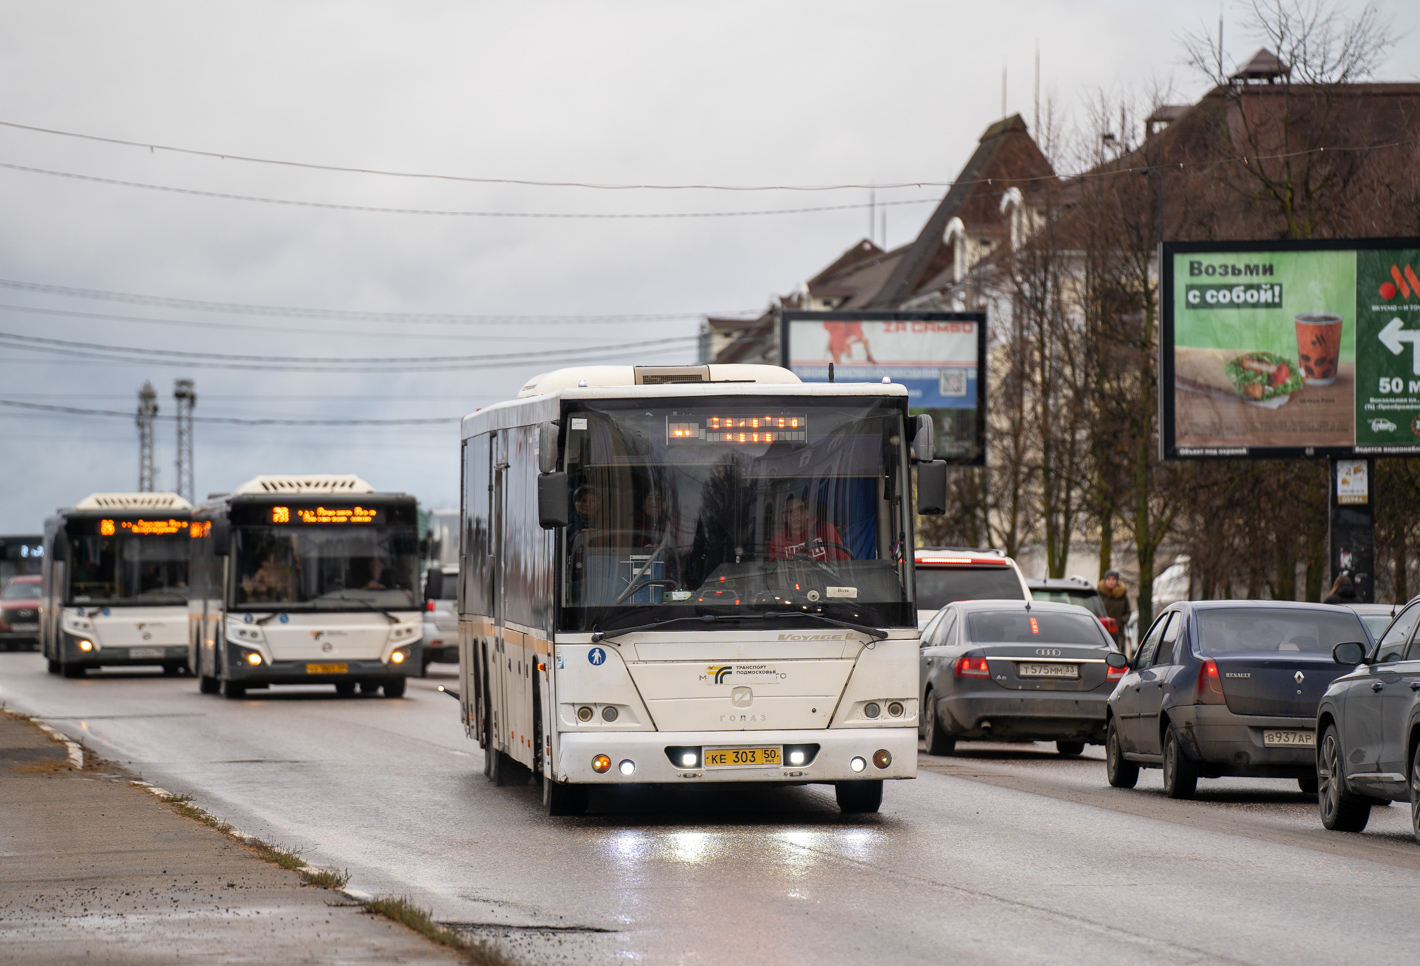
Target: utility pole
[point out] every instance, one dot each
(147, 415)
(186, 396)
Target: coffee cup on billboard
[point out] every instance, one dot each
(1319, 347)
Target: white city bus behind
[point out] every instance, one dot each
(309, 579)
(115, 583)
(691, 575)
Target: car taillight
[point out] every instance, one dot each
(972, 667)
(1115, 673)
(1110, 624)
(429, 605)
(1210, 683)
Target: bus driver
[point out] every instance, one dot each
(816, 539)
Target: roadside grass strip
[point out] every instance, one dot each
(400, 910)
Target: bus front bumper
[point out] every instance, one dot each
(657, 757)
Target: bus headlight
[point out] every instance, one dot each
(400, 655)
(86, 646)
(600, 764)
(628, 767)
(857, 764)
(253, 658)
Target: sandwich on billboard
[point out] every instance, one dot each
(1274, 349)
(939, 356)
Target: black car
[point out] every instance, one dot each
(1226, 688)
(1015, 671)
(1369, 722)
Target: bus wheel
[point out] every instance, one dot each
(74, 670)
(369, 687)
(234, 690)
(394, 688)
(209, 685)
(345, 689)
(171, 668)
(564, 798)
(54, 666)
(858, 797)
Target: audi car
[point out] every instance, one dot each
(1226, 688)
(1369, 722)
(19, 614)
(1014, 671)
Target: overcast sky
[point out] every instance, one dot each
(753, 93)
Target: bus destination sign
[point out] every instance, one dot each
(324, 514)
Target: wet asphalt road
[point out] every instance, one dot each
(1006, 853)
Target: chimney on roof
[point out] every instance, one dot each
(1265, 67)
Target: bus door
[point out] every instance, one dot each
(501, 658)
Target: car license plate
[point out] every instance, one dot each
(24, 627)
(145, 652)
(1048, 670)
(327, 668)
(1289, 739)
(740, 757)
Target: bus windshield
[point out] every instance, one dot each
(735, 506)
(128, 569)
(331, 568)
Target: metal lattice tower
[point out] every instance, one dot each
(186, 396)
(147, 415)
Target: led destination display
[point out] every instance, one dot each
(117, 526)
(740, 428)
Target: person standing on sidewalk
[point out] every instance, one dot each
(1116, 603)
(1342, 592)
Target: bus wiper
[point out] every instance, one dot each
(360, 600)
(876, 633)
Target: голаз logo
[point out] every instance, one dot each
(1389, 290)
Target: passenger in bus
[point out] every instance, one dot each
(273, 580)
(807, 534)
(652, 520)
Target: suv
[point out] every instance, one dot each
(949, 574)
(1074, 590)
(19, 613)
(441, 619)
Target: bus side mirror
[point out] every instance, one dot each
(547, 447)
(923, 441)
(932, 488)
(552, 500)
(221, 531)
(434, 584)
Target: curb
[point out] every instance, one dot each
(76, 752)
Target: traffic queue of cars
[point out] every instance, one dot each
(1272, 689)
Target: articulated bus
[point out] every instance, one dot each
(308, 579)
(689, 575)
(114, 583)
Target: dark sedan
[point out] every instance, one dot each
(1014, 671)
(1369, 722)
(1226, 688)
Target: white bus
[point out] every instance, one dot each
(308, 579)
(690, 575)
(114, 583)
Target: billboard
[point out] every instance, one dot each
(939, 356)
(1277, 349)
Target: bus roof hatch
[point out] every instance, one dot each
(305, 483)
(133, 501)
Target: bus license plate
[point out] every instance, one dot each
(740, 757)
(1048, 670)
(1289, 739)
(146, 652)
(327, 668)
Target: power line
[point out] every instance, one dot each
(234, 420)
(330, 206)
(288, 311)
(463, 178)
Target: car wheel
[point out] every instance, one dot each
(938, 741)
(1341, 810)
(858, 797)
(564, 798)
(394, 688)
(1415, 795)
(208, 685)
(1121, 772)
(234, 690)
(1180, 774)
(1070, 747)
(1308, 785)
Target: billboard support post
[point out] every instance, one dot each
(1351, 525)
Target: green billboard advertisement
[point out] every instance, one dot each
(1276, 349)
